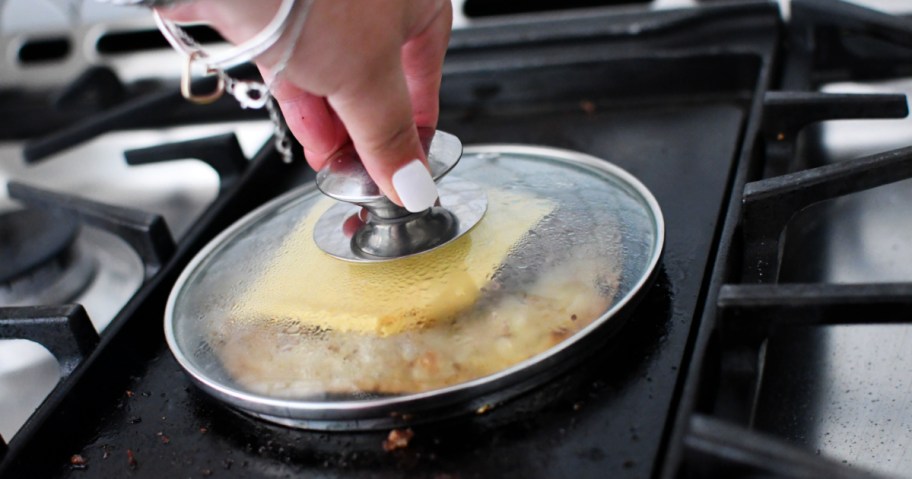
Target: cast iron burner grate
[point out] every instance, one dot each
(39, 261)
(87, 362)
(717, 430)
(41, 242)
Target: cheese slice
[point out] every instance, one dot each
(304, 284)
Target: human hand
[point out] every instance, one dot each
(362, 71)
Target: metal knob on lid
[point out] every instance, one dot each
(388, 231)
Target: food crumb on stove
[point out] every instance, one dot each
(629, 463)
(572, 317)
(398, 439)
(134, 420)
(587, 106)
(577, 406)
(483, 409)
(78, 462)
(164, 438)
(129, 393)
(204, 429)
(206, 472)
(780, 136)
(227, 463)
(131, 459)
(105, 451)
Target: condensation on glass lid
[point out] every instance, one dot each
(263, 313)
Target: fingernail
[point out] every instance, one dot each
(415, 187)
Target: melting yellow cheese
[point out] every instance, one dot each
(302, 283)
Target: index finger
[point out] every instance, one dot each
(377, 111)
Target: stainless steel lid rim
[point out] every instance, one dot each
(351, 410)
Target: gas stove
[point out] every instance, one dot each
(771, 343)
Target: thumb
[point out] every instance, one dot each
(377, 112)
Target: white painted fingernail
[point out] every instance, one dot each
(415, 187)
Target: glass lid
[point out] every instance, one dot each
(268, 321)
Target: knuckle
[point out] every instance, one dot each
(388, 142)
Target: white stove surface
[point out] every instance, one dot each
(178, 190)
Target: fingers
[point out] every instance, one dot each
(401, 91)
(422, 62)
(312, 122)
(377, 112)
(364, 71)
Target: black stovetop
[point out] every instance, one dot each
(674, 97)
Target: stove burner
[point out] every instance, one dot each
(40, 261)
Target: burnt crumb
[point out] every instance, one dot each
(573, 317)
(629, 463)
(398, 439)
(134, 420)
(164, 438)
(587, 106)
(78, 462)
(131, 460)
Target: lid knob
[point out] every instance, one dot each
(388, 231)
